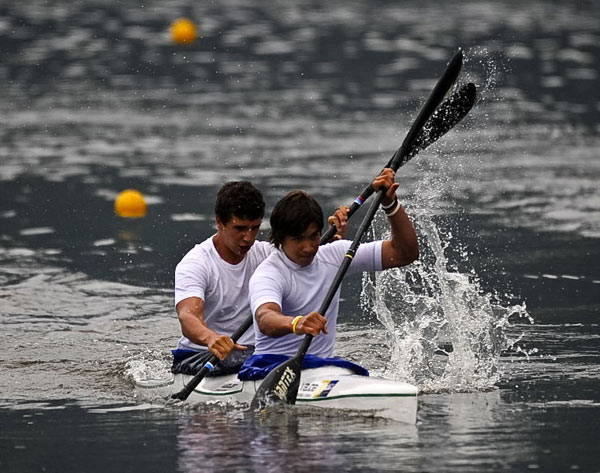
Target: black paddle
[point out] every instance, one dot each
(282, 383)
(447, 115)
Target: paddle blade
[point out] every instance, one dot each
(440, 90)
(280, 385)
(189, 388)
(449, 113)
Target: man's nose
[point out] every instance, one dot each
(248, 235)
(308, 246)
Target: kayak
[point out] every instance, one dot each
(328, 387)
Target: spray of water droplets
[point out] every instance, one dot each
(444, 332)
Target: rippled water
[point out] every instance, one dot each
(497, 324)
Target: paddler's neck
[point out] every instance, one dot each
(225, 252)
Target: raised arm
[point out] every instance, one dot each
(191, 317)
(403, 248)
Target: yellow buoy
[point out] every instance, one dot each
(130, 203)
(183, 30)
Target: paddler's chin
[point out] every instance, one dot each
(244, 249)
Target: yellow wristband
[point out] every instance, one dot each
(294, 323)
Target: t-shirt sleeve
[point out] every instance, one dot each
(367, 258)
(265, 286)
(266, 248)
(190, 279)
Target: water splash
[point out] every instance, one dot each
(151, 365)
(444, 332)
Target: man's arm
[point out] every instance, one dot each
(273, 323)
(191, 317)
(403, 248)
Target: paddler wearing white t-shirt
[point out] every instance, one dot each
(211, 281)
(287, 288)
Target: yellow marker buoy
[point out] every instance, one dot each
(183, 30)
(130, 204)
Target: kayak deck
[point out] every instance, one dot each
(326, 387)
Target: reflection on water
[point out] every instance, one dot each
(456, 431)
(293, 441)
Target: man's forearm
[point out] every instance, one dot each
(195, 329)
(272, 322)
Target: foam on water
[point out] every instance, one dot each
(148, 366)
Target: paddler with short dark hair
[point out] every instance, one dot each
(287, 288)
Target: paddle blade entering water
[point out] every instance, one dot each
(280, 386)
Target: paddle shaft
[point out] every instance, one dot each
(400, 157)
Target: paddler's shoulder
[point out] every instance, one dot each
(262, 249)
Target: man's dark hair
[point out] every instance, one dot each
(240, 199)
(293, 214)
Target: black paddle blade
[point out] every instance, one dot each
(449, 113)
(181, 395)
(280, 386)
(440, 123)
(189, 388)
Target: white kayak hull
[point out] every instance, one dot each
(327, 387)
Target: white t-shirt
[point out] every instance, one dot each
(223, 287)
(301, 290)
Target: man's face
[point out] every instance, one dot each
(302, 249)
(238, 235)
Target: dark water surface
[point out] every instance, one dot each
(316, 95)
